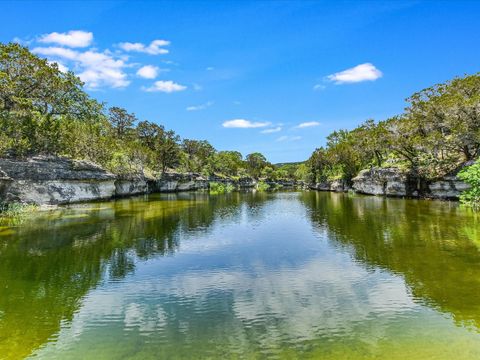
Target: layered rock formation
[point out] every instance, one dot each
(395, 182)
(48, 180)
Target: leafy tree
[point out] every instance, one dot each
(256, 162)
(35, 99)
(122, 121)
(228, 162)
(198, 154)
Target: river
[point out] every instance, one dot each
(244, 275)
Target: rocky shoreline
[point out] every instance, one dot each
(52, 181)
(393, 182)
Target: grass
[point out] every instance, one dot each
(9, 210)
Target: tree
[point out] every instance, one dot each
(121, 121)
(36, 99)
(198, 154)
(255, 164)
(228, 162)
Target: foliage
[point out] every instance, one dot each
(10, 210)
(220, 188)
(471, 175)
(262, 186)
(439, 131)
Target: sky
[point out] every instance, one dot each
(270, 76)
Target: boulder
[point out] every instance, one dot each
(381, 181)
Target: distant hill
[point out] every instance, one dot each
(288, 163)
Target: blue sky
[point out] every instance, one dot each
(274, 77)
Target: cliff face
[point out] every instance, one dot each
(52, 180)
(48, 180)
(394, 182)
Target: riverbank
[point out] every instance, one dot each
(46, 180)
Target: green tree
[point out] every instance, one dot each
(36, 98)
(122, 121)
(256, 162)
(198, 154)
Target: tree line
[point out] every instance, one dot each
(436, 135)
(46, 111)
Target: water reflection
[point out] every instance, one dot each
(435, 246)
(316, 274)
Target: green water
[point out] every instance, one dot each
(253, 275)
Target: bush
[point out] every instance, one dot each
(262, 186)
(471, 175)
(220, 188)
(15, 209)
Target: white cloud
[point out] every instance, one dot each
(288, 138)
(155, 47)
(96, 69)
(307, 124)
(197, 87)
(210, 68)
(244, 124)
(319, 87)
(164, 86)
(199, 107)
(359, 73)
(272, 130)
(56, 52)
(74, 38)
(148, 72)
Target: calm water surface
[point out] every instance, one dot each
(254, 275)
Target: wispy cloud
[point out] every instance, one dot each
(199, 107)
(165, 86)
(244, 124)
(272, 130)
(95, 68)
(288, 138)
(359, 73)
(74, 38)
(148, 72)
(210, 68)
(319, 87)
(307, 124)
(156, 47)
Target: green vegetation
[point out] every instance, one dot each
(437, 133)
(46, 111)
(10, 210)
(471, 175)
(263, 186)
(220, 188)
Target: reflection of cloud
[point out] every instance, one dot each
(324, 296)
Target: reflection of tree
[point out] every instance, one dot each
(428, 243)
(50, 262)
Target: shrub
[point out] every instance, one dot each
(262, 186)
(220, 188)
(471, 175)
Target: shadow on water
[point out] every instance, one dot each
(50, 261)
(433, 245)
